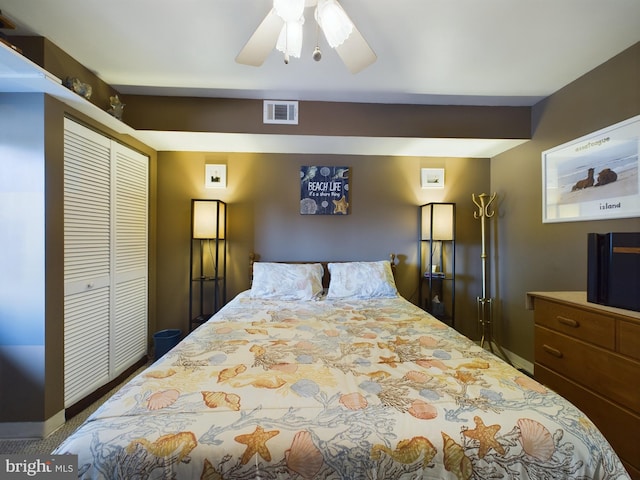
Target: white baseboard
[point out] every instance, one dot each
(28, 430)
(516, 360)
(519, 362)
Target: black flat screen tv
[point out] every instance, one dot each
(613, 269)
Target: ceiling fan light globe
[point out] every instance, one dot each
(289, 10)
(290, 39)
(334, 21)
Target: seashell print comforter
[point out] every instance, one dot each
(361, 389)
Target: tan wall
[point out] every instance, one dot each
(263, 195)
(530, 255)
(194, 114)
(54, 280)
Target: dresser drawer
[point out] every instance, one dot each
(606, 373)
(591, 327)
(619, 426)
(629, 339)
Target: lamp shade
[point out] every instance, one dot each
(334, 21)
(290, 38)
(437, 221)
(208, 219)
(289, 10)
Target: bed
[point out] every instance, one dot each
(291, 380)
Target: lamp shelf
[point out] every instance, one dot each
(18, 74)
(207, 279)
(438, 276)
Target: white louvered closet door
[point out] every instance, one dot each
(105, 255)
(129, 325)
(87, 261)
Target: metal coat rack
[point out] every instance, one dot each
(485, 303)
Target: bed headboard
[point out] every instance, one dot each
(254, 257)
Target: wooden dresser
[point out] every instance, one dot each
(590, 354)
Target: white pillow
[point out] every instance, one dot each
(361, 280)
(287, 281)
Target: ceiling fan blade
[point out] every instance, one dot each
(262, 42)
(355, 52)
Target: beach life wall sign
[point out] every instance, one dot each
(324, 190)
(594, 177)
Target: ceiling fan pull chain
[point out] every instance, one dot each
(317, 54)
(286, 43)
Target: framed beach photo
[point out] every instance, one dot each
(215, 176)
(594, 177)
(432, 177)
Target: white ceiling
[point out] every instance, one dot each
(468, 52)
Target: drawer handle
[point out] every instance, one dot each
(552, 351)
(570, 322)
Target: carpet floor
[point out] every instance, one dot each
(45, 446)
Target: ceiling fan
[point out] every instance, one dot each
(282, 29)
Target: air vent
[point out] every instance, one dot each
(276, 111)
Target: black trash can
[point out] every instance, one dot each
(165, 340)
